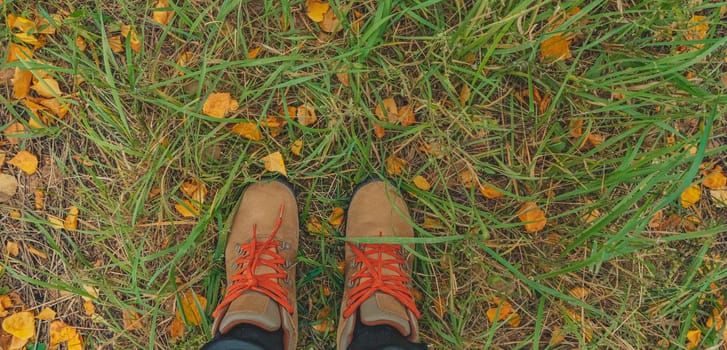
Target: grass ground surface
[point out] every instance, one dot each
(653, 95)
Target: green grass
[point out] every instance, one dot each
(140, 123)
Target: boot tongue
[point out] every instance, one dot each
(252, 308)
(383, 309)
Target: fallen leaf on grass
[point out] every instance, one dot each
(467, 178)
(162, 16)
(395, 165)
(20, 324)
(698, 28)
(406, 115)
(315, 9)
(25, 161)
(60, 332)
(132, 320)
(8, 187)
(182, 60)
(176, 328)
(70, 223)
(421, 183)
(36, 252)
(12, 131)
(187, 209)
(115, 44)
(533, 217)
(17, 52)
(554, 49)
(88, 308)
(490, 192)
(306, 115)
(12, 248)
(330, 22)
(464, 94)
(690, 196)
(218, 104)
(253, 53)
(133, 38)
(21, 83)
(248, 130)
(714, 179)
(296, 147)
(336, 218)
(46, 314)
(693, 338)
(344, 78)
(192, 312)
(274, 162)
(503, 311)
(719, 197)
(81, 43)
(595, 139)
(579, 293)
(440, 306)
(314, 226)
(431, 223)
(39, 198)
(387, 110)
(576, 127)
(324, 326)
(194, 189)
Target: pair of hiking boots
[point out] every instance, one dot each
(260, 260)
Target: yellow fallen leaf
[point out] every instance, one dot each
(715, 179)
(46, 314)
(595, 139)
(557, 336)
(187, 209)
(47, 87)
(176, 328)
(183, 59)
(30, 39)
(330, 22)
(12, 248)
(248, 130)
(194, 189)
(21, 82)
(274, 162)
(395, 165)
(56, 107)
(252, 54)
(579, 293)
(314, 226)
(296, 147)
(344, 78)
(503, 311)
(115, 44)
(431, 223)
(81, 43)
(421, 183)
(690, 196)
(693, 338)
(20, 324)
(336, 218)
(25, 161)
(467, 178)
(71, 221)
(60, 332)
(17, 52)
(315, 9)
(464, 94)
(576, 127)
(133, 38)
(306, 115)
(88, 308)
(20, 23)
(490, 192)
(12, 131)
(39, 195)
(555, 48)
(379, 130)
(698, 28)
(36, 252)
(192, 312)
(532, 216)
(44, 26)
(162, 16)
(218, 104)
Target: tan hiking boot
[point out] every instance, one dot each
(377, 275)
(260, 262)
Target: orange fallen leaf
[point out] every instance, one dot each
(314, 226)
(490, 192)
(387, 110)
(440, 306)
(190, 309)
(714, 179)
(274, 162)
(12, 248)
(115, 44)
(330, 22)
(162, 16)
(218, 104)
(25, 161)
(44, 26)
(576, 127)
(421, 183)
(693, 338)
(467, 178)
(187, 209)
(253, 53)
(39, 199)
(12, 131)
(555, 48)
(17, 52)
(81, 43)
(503, 311)
(132, 320)
(176, 328)
(60, 332)
(71, 221)
(690, 196)
(88, 308)
(46, 314)
(344, 78)
(20, 325)
(395, 165)
(698, 28)
(133, 38)
(336, 217)
(595, 139)
(296, 147)
(248, 130)
(324, 326)
(315, 9)
(406, 115)
(36, 252)
(431, 223)
(579, 293)
(21, 83)
(306, 115)
(56, 107)
(55, 222)
(533, 217)
(464, 94)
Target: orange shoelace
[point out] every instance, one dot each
(253, 255)
(372, 278)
